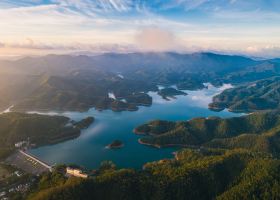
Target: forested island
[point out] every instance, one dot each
(170, 92)
(116, 144)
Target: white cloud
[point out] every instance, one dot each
(111, 24)
(247, 16)
(94, 6)
(156, 39)
(186, 4)
(35, 48)
(269, 51)
(190, 4)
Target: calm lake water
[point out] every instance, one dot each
(89, 150)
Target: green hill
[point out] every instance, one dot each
(204, 174)
(258, 132)
(83, 92)
(39, 129)
(260, 95)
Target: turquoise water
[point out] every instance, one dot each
(89, 150)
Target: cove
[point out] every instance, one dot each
(89, 150)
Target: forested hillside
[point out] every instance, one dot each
(255, 96)
(194, 174)
(258, 132)
(39, 129)
(82, 92)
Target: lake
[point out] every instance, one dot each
(89, 150)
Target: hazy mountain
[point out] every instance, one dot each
(277, 60)
(187, 62)
(79, 82)
(262, 70)
(51, 64)
(61, 64)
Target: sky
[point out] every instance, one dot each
(39, 27)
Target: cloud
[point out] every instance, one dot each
(247, 16)
(96, 6)
(125, 25)
(30, 44)
(190, 4)
(31, 47)
(269, 51)
(185, 4)
(156, 39)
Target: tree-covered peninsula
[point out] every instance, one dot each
(36, 129)
(254, 96)
(258, 131)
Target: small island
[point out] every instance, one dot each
(84, 123)
(170, 92)
(216, 107)
(191, 85)
(116, 144)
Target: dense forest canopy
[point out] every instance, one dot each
(203, 174)
(258, 131)
(256, 96)
(37, 129)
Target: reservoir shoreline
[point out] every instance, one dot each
(88, 149)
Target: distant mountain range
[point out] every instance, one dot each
(65, 82)
(56, 64)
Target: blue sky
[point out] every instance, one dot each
(249, 27)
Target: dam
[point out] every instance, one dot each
(28, 162)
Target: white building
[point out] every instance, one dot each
(76, 172)
(20, 144)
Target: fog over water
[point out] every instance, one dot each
(7, 110)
